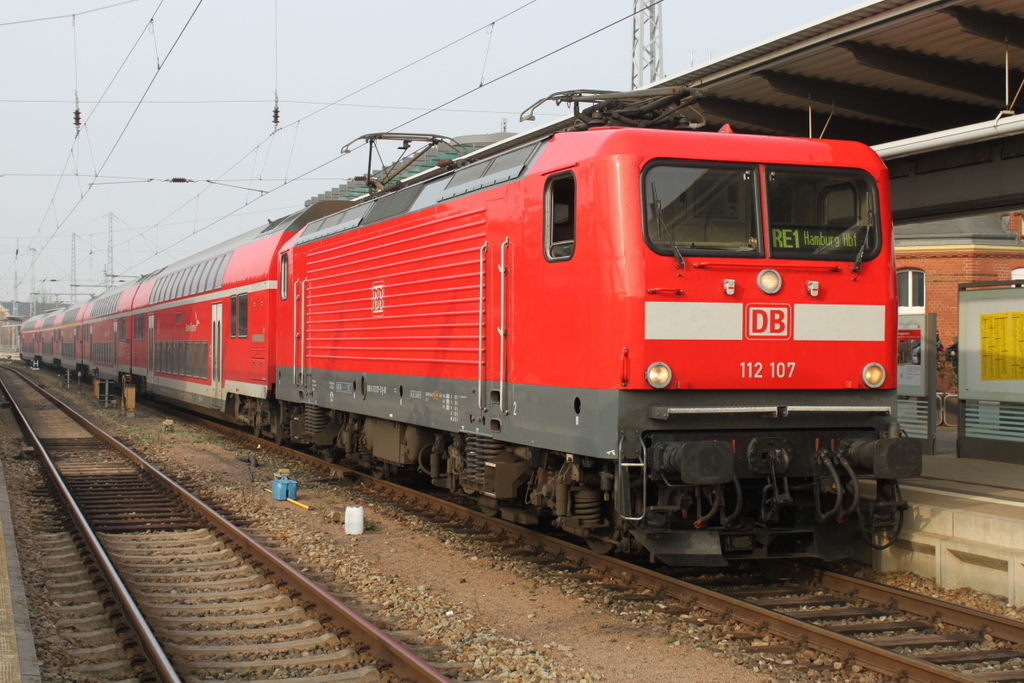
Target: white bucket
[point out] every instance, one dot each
(353, 520)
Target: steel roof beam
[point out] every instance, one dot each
(975, 79)
(794, 122)
(999, 28)
(895, 107)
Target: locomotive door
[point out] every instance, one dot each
(217, 351)
(299, 326)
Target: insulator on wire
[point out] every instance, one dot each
(277, 116)
(78, 119)
(180, 180)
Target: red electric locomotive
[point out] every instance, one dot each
(683, 341)
(676, 341)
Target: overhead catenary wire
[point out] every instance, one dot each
(336, 102)
(130, 118)
(65, 16)
(487, 52)
(429, 111)
(276, 118)
(137, 104)
(78, 109)
(289, 180)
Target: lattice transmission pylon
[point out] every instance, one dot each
(647, 44)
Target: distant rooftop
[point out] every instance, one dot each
(989, 229)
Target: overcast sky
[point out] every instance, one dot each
(186, 88)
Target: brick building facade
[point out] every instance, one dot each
(932, 259)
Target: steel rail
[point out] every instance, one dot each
(403, 662)
(995, 625)
(129, 609)
(842, 647)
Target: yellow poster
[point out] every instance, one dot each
(1002, 346)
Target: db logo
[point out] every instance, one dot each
(767, 322)
(377, 298)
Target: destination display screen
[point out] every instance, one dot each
(827, 215)
(811, 240)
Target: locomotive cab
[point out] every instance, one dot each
(768, 391)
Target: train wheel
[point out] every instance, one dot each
(276, 425)
(600, 546)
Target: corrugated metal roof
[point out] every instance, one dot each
(880, 72)
(921, 55)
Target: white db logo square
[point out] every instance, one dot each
(772, 322)
(377, 298)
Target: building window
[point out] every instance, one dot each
(910, 285)
(1017, 274)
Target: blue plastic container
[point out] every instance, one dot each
(279, 489)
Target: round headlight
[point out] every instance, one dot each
(659, 375)
(769, 281)
(873, 375)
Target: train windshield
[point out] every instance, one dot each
(694, 209)
(827, 214)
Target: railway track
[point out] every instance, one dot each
(193, 596)
(780, 608)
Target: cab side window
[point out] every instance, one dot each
(283, 282)
(560, 217)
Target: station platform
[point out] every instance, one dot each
(18, 662)
(965, 526)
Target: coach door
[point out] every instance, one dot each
(150, 348)
(217, 351)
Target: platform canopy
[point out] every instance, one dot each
(933, 85)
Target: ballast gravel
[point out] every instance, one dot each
(484, 614)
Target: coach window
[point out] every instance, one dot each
(243, 315)
(234, 316)
(211, 276)
(190, 285)
(560, 217)
(910, 290)
(204, 270)
(284, 277)
(222, 266)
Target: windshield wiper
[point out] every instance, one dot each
(656, 205)
(864, 245)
